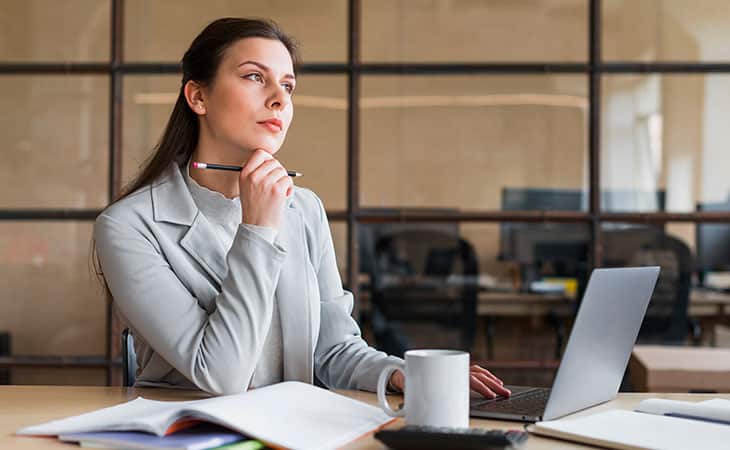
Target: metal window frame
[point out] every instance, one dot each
(354, 214)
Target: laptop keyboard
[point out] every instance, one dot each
(530, 402)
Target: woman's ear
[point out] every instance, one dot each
(194, 96)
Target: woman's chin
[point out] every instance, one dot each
(269, 147)
(248, 149)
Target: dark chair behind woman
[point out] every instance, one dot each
(129, 359)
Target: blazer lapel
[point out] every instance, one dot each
(292, 295)
(172, 202)
(204, 246)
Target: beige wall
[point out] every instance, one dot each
(320, 25)
(55, 141)
(30, 30)
(456, 141)
(474, 30)
(51, 303)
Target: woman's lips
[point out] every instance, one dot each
(271, 126)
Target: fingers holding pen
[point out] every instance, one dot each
(264, 185)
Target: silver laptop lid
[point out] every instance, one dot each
(602, 338)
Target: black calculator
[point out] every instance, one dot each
(426, 438)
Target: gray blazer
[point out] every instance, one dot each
(200, 315)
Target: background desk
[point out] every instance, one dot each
(710, 307)
(30, 405)
(702, 303)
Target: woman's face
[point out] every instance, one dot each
(249, 104)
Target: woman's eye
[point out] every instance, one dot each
(289, 87)
(255, 77)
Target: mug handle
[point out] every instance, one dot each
(383, 385)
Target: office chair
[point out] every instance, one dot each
(423, 276)
(666, 320)
(129, 359)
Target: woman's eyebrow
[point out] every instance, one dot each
(265, 68)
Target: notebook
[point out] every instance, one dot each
(290, 414)
(656, 423)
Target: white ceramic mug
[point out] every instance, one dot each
(436, 390)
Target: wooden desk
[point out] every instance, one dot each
(702, 303)
(520, 304)
(30, 405)
(656, 368)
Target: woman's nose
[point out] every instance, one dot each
(279, 98)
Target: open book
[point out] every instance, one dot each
(654, 424)
(290, 414)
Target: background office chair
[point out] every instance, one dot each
(666, 320)
(129, 359)
(423, 276)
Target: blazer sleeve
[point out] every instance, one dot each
(342, 359)
(217, 352)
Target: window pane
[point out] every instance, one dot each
(315, 146)
(162, 30)
(470, 142)
(58, 377)
(316, 143)
(474, 31)
(419, 274)
(56, 135)
(666, 30)
(52, 31)
(54, 304)
(664, 142)
(147, 104)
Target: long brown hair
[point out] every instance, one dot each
(200, 64)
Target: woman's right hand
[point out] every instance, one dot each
(264, 187)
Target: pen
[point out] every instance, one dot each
(200, 165)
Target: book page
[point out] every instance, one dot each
(139, 414)
(295, 415)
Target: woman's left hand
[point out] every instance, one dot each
(484, 382)
(480, 380)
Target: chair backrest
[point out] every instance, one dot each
(129, 359)
(427, 276)
(666, 318)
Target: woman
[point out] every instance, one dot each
(228, 279)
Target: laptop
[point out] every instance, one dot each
(596, 355)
